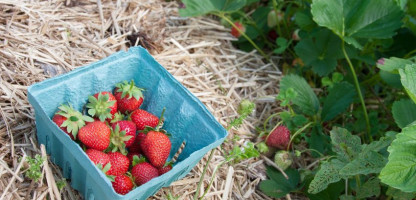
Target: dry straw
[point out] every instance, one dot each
(41, 39)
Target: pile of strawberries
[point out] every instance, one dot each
(122, 140)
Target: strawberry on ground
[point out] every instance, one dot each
(143, 172)
(95, 135)
(129, 127)
(156, 145)
(122, 184)
(135, 147)
(279, 138)
(102, 105)
(129, 97)
(234, 30)
(70, 120)
(143, 118)
(119, 163)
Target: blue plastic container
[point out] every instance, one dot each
(186, 118)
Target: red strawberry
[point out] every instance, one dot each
(135, 147)
(142, 119)
(119, 163)
(70, 120)
(102, 105)
(129, 127)
(143, 172)
(95, 135)
(98, 157)
(234, 30)
(122, 184)
(129, 97)
(130, 155)
(156, 147)
(279, 138)
(167, 167)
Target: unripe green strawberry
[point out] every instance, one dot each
(95, 135)
(122, 184)
(283, 159)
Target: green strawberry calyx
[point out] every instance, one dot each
(118, 139)
(75, 119)
(130, 90)
(117, 117)
(138, 160)
(105, 170)
(100, 107)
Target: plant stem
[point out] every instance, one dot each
(360, 95)
(203, 174)
(357, 180)
(221, 15)
(297, 133)
(205, 170)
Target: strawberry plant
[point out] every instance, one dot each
(348, 89)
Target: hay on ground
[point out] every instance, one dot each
(42, 39)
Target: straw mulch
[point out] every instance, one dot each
(42, 39)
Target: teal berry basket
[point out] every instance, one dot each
(186, 118)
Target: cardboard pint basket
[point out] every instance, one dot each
(186, 118)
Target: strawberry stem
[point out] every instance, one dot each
(159, 124)
(297, 133)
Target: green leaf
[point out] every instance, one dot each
(401, 3)
(346, 197)
(365, 163)
(399, 195)
(346, 145)
(304, 20)
(391, 79)
(379, 145)
(278, 186)
(400, 171)
(340, 96)
(331, 192)
(327, 174)
(408, 78)
(306, 99)
(326, 81)
(354, 19)
(282, 44)
(321, 51)
(259, 16)
(393, 64)
(404, 112)
(369, 189)
(337, 77)
(202, 7)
